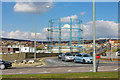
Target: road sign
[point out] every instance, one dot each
(111, 41)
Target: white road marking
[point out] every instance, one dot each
(69, 70)
(116, 69)
(20, 72)
(44, 72)
(38, 66)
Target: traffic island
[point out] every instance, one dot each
(29, 63)
(26, 65)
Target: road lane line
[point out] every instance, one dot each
(69, 70)
(38, 66)
(20, 72)
(116, 69)
(44, 72)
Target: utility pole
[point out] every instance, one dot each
(94, 54)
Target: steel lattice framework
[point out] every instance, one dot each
(60, 30)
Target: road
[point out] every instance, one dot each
(54, 65)
(55, 62)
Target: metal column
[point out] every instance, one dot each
(59, 46)
(79, 37)
(82, 38)
(71, 35)
(51, 34)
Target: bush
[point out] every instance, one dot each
(39, 48)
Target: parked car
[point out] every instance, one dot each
(67, 57)
(75, 53)
(59, 55)
(83, 57)
(98, 56)
(5, 64)
(118, 53)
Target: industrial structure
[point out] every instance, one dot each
(60, 30)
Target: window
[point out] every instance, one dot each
(86, 55)
(80, 55)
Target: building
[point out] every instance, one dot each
(27, 49)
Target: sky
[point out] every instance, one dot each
(18, 19)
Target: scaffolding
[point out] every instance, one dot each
(61, 30)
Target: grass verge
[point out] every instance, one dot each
(66, 75)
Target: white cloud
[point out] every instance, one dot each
(23, 35)
(104, 29)
(66, 26)
(33, 7)
(82, 13)
(67, 19)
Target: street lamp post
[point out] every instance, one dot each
(35, 41)
(35, 35)
(94, 54)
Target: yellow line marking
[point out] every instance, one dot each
(42, 60)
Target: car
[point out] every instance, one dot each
(67, 57)
(98, 56)
(83, 57)
(5, 64)
(118, 53)
(59, 55)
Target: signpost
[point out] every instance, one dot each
(111, 43)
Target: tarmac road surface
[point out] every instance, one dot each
(55, 62)
(54, 65)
